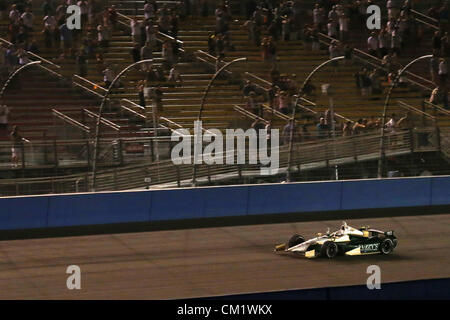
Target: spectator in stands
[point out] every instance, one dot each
(135, 26)
(66, 38)
(284, 101)
(135, 53)
(335, 52)
(150, 9)
(434, 68)
(272, 96)
(253, 104)
(103, 36)
(391, 125)
(83, 5)
(4, 114)
(359, 126)
(332, 28)
(405, 122)
(247, 88)
(146, 52)
(347, 130)
(393, 7)
(112, 16)
(60, 12)
(17, 146)
(375, 82)
(141, 87)
(49, 31)
(443, 71)
(108, 76)
(343, 26)
(175, 77)
(319, 17)
(437, 42)
(167, 54)
(373, 44)
(157, 99)
(322, 129)
(81, 59)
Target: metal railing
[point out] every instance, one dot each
(70, 121)
(306, 156)
(249, 114)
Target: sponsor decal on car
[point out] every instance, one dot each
(369, 247)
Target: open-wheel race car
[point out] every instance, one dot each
(345, 241)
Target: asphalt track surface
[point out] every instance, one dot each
(213, 261)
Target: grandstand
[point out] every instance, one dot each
(56, 104)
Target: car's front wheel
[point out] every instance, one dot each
(387, 246)
(296, 239)
(329, 250)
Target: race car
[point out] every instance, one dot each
(345, 241)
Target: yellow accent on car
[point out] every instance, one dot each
(310, 253)
(366, 233)
(354, 252)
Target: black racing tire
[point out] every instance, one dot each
(296, 239)
(387, 246)
(329, 250)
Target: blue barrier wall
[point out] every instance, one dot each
(191, 203)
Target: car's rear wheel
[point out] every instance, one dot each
(296, 239)
(387, 246)
(329, 250)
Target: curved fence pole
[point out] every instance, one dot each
(294, 110)
(14, 74)
(200, 111)
(385, 108)
(97, 126)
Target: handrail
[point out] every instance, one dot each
(133, 112)
(106, 122)
(438, 108)
(71, 120)
(276, 112)
(423, 15)
(249, 114)
(33, 55)
(257, 78)
(409, 107)
(212, 64)
(351, 148)
(95, 85)
(135, 105)
(355, 50)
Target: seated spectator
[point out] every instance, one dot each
(253, 105)
(135, 53)
(175, 77)
(108, 76)
(347, 130)
(146, 53)
(359, 126)
(248, 87)
(322, 129)
(373, 44)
